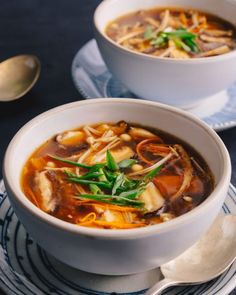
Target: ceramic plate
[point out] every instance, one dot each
(25, 268)
(93, 80)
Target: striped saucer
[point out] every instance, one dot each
(25, 268)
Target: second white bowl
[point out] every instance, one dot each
(181, 83)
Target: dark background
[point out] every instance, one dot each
(54, 31)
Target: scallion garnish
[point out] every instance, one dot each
(119, 189)
(121, 201)
(101, 184)
(118, 182)
(182, 38)
(153, 173)
(127, 163)
(111, 163)
(70, 162)
(95, 189)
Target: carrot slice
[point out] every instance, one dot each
(107, 206)
(183, 19)
(90, 217)
(168, 185)
(118, 225)
(31, 196)
(153, 146)
(38, 163)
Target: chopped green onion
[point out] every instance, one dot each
(111, 176)
(70, 162)
(152, 173)
(121, 201)
(132, 194)
(148, 34)
(127, 163)
(111, 163)
(183, 34)
(182, 45)
(159, 41)
(95, 189)
(96, 167)
(194, 47)
(182, 38)
(102, 175)
(89, 175)
(101, 184)
(129, 183)
(119, 180)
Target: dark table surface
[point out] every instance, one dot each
(54, 31)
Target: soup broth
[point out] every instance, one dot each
(173, 33)
(116, 176)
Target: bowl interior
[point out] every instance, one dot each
(111, 9)
(165, 118)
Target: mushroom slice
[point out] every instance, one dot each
(119, 154)
(195, 20)
(135, 41)
(164, 22)
(218, 33)
(176, 53)
(93, 130)
(210, 39)
(46, 191)
(130, 35)
(152, 198)
(217, 51)
(70, 137)
(167, 52)
(183, 19)
(139, 133)
(174, 23)
(122, 153)
(151, 21)
(103, 127)
(188, 172)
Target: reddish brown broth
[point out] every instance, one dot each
(168, 181)
(203, 25)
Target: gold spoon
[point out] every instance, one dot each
(18, 75)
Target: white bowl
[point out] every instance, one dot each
(116, 252)
(181, 83)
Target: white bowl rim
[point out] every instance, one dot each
(114, 233)
(127, 51)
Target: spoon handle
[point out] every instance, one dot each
(160, 286)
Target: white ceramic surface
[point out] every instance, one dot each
(26, 269)
(93, 80)
(182, 83)
(116, 251)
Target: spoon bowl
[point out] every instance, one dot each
(17, 76)
(205, 260)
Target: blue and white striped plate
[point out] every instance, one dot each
(92, 79)
(25, 268)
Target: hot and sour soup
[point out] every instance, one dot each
(116, 176)
(173, 33)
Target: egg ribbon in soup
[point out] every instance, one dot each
(116, 176)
